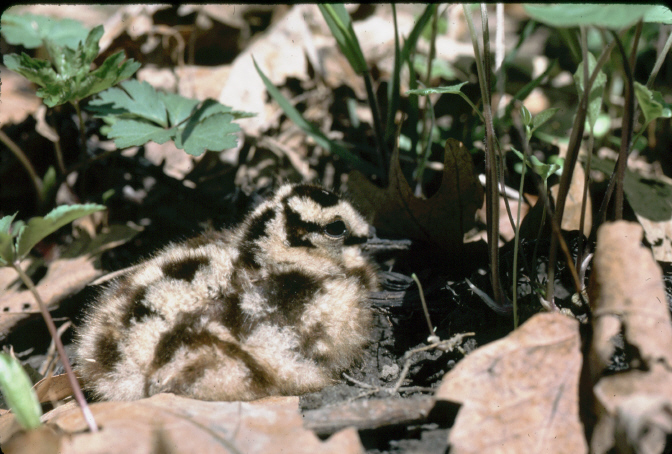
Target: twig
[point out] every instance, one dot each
(446, 345)
(77, 391)
(25, 162)
(47, 366)
(432, 337)
(492, 194)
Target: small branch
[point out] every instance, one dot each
(626, 133)
(492, 194)
(74, 384)
(25, 162)
(383, 160)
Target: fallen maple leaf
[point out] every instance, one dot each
(441, 220)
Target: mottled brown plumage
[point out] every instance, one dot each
(276, 306)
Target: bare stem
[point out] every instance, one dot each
(383, 161)
(25, 162)
(492, 194)
(74, 384)
(424, 305)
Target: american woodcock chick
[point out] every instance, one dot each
(276, 306)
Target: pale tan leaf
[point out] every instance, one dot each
(53, 388)
(627, 297)
(520, 394)
(169, 423)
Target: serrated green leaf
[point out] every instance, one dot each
(72, 80)
(6, 223)
(37, 71)
(215, 133)
(141, 114)
(178, 107)
(31, 30)
(39, 227)
(18, 392)
(542, 117)
(611, 16)
(596, 90)
(136, 132)
(651, 103)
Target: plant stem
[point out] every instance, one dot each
(492, 194)
(25, 162)
(626, 134)
(515, 249)
(74, 384)
(424, 304)
(82, 136)
(383, 160)
(568, 169)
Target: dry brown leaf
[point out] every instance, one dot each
(280, 53)
(169, 423)
(440, 220)
(65, 276)
(53, 388)
(627, 297)
(571, 217)
(520, 394)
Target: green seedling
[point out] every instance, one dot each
(15, 243)
(18, 392)
(137, 113)
(67, 77)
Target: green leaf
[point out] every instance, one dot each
(6, 249)
(613, 16)
(18, 392)
(339, 23)
(137, 114)
(310, 129)
(39, 227)
(201, 135)
(526, 115)
(541, 169)
(596, 90)
(652, 103)
(6, 223)
(131, 133)
(70, 79)
(455, 89)
(6, 240)
(658, 14)
(31, 30)
(542, 117)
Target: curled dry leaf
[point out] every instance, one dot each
(627, 297)
(441, 220)
(520, 394)
(169, 423)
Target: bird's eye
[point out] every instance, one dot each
(336, 229)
